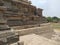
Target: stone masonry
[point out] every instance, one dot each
(20, 12)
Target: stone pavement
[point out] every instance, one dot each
(56, 36)
(33, 39)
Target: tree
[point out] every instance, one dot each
(55, 19)
(49, 19)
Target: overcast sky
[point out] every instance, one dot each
(51, 7)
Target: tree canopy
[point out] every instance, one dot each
(53, 19)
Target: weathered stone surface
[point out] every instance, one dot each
(14, 10)
(33, 39)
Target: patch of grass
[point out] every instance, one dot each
(56, 25)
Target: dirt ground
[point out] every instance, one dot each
(56, 25)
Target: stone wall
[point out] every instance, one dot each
(17, 13)
(26, 14)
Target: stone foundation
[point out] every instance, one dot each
(36, 30)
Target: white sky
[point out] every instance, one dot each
(51, 7)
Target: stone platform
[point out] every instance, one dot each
(44, 35)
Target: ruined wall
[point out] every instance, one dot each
(17, 13)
